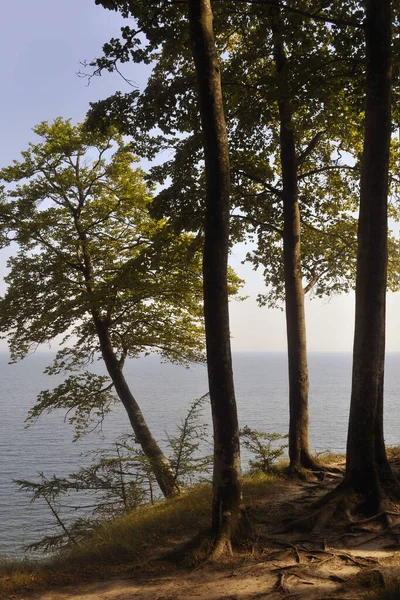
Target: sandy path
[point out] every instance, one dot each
(277, 566)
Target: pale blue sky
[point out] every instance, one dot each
(41, 45)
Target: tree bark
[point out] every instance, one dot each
(299, 450)
(159, 462)
(226, 484)
(367, 468)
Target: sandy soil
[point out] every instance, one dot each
(341, 563)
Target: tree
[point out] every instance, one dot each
(306, 101)
(227, 495)
(369, 480)
(162, 29)
(367, 470)
(266, 186)
(299, 451)
(320, 82)
(94, 267)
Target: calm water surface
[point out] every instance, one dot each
(164, 392)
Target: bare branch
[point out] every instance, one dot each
(325, 169)
(311, 146)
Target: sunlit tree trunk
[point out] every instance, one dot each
(299, 450)
(160, 465)
(367, 469)
(226, 484)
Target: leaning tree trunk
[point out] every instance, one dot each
(367, 469)
(160, 465)
(226, 484)
(299, 450)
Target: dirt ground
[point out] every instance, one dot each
(342, 562)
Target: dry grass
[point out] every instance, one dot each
(136, 542)
(127, 542)
(327, 458)
(127, 538)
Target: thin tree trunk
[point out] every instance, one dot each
(159, 462)
(299, 450)
(226, 484)
(365, 445)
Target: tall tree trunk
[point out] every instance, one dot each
(159, 462)
(299, 450)
(226, 484)
(367, 468)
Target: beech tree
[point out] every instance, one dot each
(367, 470)
(299, 452)
(226, 485)
(369, 482)
(264, 189)
(319, 85)
(308, 205)
(184, 31)
(93, 267)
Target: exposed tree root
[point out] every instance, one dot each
(287, 546)
(313, 523)
(303, 579)
(316, 471)
(337, 579)
(384, 532)
(280, 585)
(372, 538)
(307, 571)
(325, 560)
(297, 472)
(233, 532)
(385, 516)
(348, 509)
(305, 462)
(222, 545)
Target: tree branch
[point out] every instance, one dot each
(307, 15)
(259, 180)
(311, 146)
(324, 169)
(260, 224)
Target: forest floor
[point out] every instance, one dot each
(341, 562)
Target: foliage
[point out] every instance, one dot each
(186, 456)
(261, 445)
(325, 86)
(118, 482)
(89, 253)
(51, 490)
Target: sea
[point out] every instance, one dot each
(164, 392)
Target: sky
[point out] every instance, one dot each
(42, 45)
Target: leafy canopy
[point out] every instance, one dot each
(88, 250)
(323, 83)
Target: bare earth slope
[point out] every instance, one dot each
(344, 561)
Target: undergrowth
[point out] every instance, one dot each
(129, 541)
